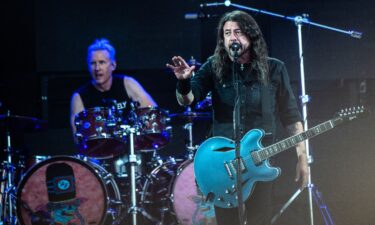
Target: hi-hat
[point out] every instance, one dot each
(190, 115)
(21, 123)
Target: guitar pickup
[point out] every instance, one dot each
(228, 169)
(231, 167)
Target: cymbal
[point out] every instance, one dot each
(190, 115)
(22, 123)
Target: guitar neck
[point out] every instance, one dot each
(265, 153)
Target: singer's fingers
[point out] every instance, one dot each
(170, 66)
(191, 69)
(177, 60)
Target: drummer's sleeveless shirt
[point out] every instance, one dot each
(116, 96)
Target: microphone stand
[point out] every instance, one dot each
(236, 125)
(298, 20)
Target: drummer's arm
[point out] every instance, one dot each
(137, 93)
(76, 106)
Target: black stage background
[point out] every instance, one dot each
(43, 61)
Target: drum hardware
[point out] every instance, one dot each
(189, 146)
(132, 132)
(133, 209)
(190, 117)
(12, 124)
(8, 190)
(120, 166)
(156, 160)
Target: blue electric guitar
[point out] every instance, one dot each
(216, 168)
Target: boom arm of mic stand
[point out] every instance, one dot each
(304, 19)
(297, 19)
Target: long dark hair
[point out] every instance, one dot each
(258, 47)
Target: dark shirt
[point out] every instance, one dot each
(116, 96)
(283, 105)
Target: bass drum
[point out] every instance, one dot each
(66, 190)
(171, 196)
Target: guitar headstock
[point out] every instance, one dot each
(352, 113)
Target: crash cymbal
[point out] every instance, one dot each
(21, 123)
(190, 115)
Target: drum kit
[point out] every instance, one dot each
(118, 177)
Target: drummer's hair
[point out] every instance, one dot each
(101, 44)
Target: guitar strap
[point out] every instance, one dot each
(267, 116)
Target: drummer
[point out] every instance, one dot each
(105, 88)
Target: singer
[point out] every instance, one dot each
(265, 97)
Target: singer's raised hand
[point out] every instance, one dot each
(180, 68)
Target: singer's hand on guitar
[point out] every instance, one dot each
(180, 68)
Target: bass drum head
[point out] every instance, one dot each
(62, 190)
(171, 196)
(189, 203)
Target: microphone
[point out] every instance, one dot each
(198, 16)
(235, 46)
(356, 34)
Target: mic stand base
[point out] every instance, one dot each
(317, 196)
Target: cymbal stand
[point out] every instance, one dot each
(133, 209)
(8, 198)
(133, 162)
(189, 146)
(129, 132)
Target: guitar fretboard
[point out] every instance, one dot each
(265, 153)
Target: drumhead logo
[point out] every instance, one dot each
(60, 185)
(60, 182)
(64, 184)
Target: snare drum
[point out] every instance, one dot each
(171, 196)
(99, 133)
(66, 190)
(153, 128)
